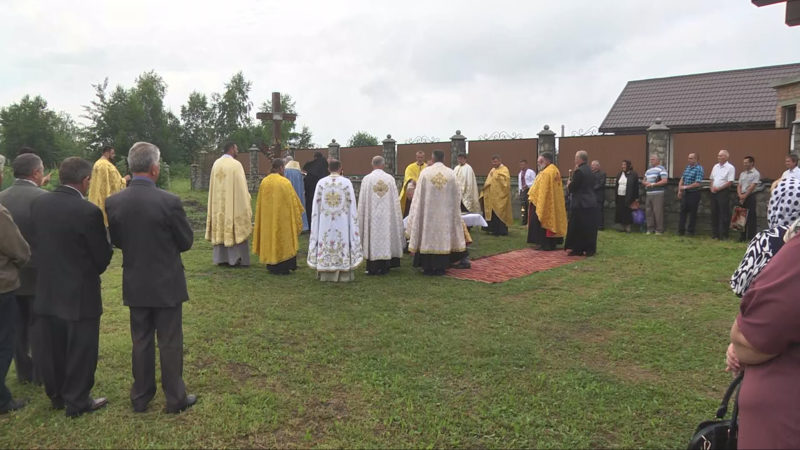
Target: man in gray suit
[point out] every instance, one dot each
(17, 198)
(149, 225)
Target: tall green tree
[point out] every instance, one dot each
(31, 123)
(232, 108)
(362, 139)
(197, 119)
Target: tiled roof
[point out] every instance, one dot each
(734, 97)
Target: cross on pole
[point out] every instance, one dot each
(277, 116)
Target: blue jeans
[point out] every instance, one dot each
(8, 316)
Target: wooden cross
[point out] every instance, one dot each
(277, 116)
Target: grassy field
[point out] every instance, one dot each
(625, 349)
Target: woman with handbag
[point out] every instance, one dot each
(627, 189)
(765, 344)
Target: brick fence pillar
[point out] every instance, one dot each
(390, 155)
(333, 150)
(254, 180)
(796, 134)
(658, 136)
(546, 142)
(458, 144)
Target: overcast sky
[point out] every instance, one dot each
(410, 68)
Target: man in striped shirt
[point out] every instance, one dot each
(689, 195)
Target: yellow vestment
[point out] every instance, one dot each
(547, 194)
(278, 220)
(105, 181)
(229, 218)
(496, 195)
(412, 173)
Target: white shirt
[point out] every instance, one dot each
(722, 174)
(792, 173)
(530, 176)
(622, 189)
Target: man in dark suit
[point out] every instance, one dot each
(71, 249)
(599, 189)
(582, 227)
(150, 227)
(17, 198)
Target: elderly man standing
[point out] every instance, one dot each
(496, 197)
(229, 221)
(106, 180)
(791, 167)
(582, 228)
(689, 195)
(435, 229)
(29, 174)
(14, 253)
(749, 180)
(654, 181)
(380, 220)
(150, 226)
(411, 176)
(334, 245)
(547, 223)
(722, 176)
(71, 253)
(293, 173)
(467, 185)
(278, 221)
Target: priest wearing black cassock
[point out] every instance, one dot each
(315, 170)
(582, 227)
(71, 248)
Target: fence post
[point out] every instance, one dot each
(253, 180)
(389, 155)
(202, 176)
(458, 144)
(658, 144)
(194, 176)
(796, 134)
(333, 150)
(546, 142)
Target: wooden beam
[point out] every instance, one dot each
(793, 13)
(760, 3)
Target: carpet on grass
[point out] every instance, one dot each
(514, 264)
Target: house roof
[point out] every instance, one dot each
(730, 98)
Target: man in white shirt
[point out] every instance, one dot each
(722, 176)
(749, 179)
(525, 179)
(791, 167)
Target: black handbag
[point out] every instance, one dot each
(720, 433)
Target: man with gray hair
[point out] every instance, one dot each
(28, 174)
(722, 177)
(71, 252)
(380, 220)
(582, 225)
(149, 225)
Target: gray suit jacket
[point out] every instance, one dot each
(17, 199)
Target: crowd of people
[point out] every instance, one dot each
(50, 302)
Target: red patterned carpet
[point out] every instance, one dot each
(510, 265)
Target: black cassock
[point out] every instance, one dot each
(315, 170)
(582, 226)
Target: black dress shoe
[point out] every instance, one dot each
(574, 253)
(12, 405)
(97, 403)
(191, 399)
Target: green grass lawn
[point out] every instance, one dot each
(625, 349)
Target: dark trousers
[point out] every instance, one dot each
(8, 314)
(523, 200)
(23, 354)
(689, 203)
(582, 231)
(68, 360)
(496, 226)
(601, 214)
(750, 227)
(165, 324)
(720, 214)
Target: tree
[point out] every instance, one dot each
(31, 123)
(232, 108)
(302, 139)
(197, 118)
(362, 139)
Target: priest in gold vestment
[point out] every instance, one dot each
(411, 176)
(229, 221)
(435, 229)
(547, 221)
(278, 222)
(496, 197)
(106, 180)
